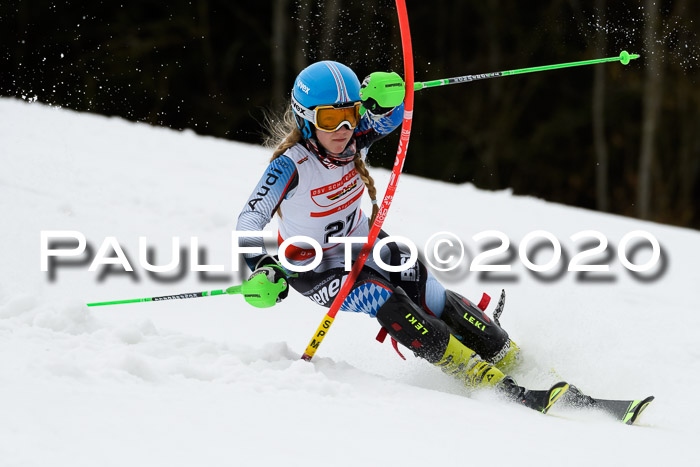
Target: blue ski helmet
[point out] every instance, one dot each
(323, 83)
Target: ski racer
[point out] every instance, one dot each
(314, 183)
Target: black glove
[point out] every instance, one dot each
(274, 271)
(371, 105)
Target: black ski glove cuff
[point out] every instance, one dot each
(274, 271)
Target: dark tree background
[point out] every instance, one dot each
(608, 137)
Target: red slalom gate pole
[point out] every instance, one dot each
(390, 191)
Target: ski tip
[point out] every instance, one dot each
(554, 393)
(636, 409)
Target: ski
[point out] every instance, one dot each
(626, 411)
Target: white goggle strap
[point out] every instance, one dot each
(303, 112)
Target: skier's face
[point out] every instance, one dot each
(335, 141)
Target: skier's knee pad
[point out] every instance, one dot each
(427, 336)
(477, 331)
(431, 338)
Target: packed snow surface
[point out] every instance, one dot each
(213, 381)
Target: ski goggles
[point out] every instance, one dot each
(330, 118)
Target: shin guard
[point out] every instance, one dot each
(431, 339)
(477, 331)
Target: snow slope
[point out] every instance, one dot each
(212, 381)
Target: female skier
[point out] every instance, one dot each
(315, 181)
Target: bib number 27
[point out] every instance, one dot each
(334, 229)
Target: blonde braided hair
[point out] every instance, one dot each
(369, 183)
(283, 134)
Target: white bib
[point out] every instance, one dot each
(326, 203)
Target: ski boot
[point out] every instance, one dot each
(431, 339)
(540, 401)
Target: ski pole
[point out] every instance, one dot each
(257, 291)
(623, 58)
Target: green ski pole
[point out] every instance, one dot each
(623, 58)
(257, 291)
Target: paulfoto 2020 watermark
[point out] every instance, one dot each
(443, 252)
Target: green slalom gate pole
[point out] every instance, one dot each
(623, 58)
(257, 291)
